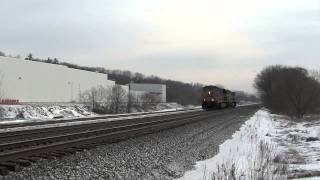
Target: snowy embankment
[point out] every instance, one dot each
(266, 147)
(23, 113)
(14, 112)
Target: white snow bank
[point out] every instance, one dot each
(19, 113)
(264, 137)
(240, 151)
(99, 120)
(158, 107)
(300, 142)
(13, 114)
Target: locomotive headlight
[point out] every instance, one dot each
(212, 100)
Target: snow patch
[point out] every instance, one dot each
(20, 113)
(28, 113)
(296, 145)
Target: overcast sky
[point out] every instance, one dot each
(207, 41)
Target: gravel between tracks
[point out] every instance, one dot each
(163, 155)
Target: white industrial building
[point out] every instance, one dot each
(31, 81)
(155, 89)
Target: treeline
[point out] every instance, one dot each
(246, 97)
(292, 91)
(69, 65)
(9, 55)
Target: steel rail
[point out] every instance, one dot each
(56, 121)
(78, 133)
(59, 143)
(140, 129)
(24, 133)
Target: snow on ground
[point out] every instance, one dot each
(28, 113)
(72, 123)
(300, 142)
(19, 113)
(162, 155)
(159, 107)
(268, 141)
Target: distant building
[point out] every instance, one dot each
(31, 81)
(155, 89)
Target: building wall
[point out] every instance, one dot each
(159, 89)
(164, 93)
(30, 81)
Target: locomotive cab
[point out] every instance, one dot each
(214, 97)
(210, 97)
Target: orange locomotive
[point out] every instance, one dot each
(215, 97)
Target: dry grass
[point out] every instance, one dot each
(265, 166)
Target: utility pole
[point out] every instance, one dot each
(129, 99)
(71, 90)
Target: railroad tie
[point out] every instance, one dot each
(56, 154)
(4, 171)
(68, 151)
(11, 166)
(41, 156)
(23, 162)
(61, 153)
(31, 159)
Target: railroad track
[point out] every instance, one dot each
(21, 146)
(110, 116)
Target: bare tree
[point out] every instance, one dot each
(130, 102)
(315, 74)
(89, 98)
(1, 86)
(14, 56)
(288, 90)
(96, 98)
(105, 100)
(245, 97)
(117, 99)
(149, 99)
(29, 57)
(2, 54)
